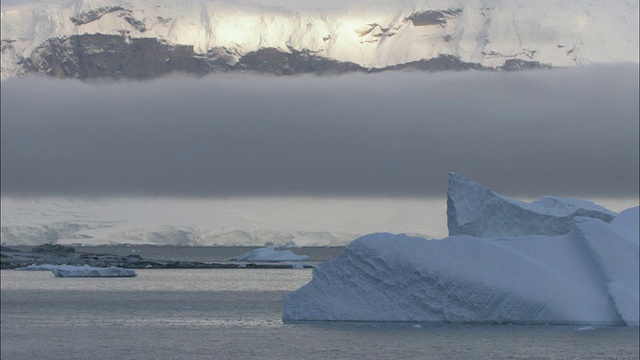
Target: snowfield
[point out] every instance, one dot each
(285, 221)
(373, 35)
(586, 276)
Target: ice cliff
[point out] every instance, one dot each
(588, 275)
(473, 209)
(142, 38)
(269, 253)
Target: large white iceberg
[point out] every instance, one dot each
(90, 271)
(473, 209)
(588, 275)
(269, 253)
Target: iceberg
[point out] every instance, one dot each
(473, 209)
(90, 271)
(37, 267)
(269, 253)
(586, 276)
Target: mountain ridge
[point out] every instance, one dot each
(217, 36)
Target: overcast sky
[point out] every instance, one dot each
(567, 132)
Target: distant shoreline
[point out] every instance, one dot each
(152, 256)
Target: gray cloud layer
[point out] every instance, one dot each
(563, 132)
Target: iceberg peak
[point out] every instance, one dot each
(473, 209)
(585, 271)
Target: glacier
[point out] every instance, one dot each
(110, 36)
(587, 276)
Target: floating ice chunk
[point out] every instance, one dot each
(585, 328)
(294, 264)
(473, 209)
(626, 224)
(36, 267)
(386, 277)
(587, 276)
(269, 253)
(89, 271)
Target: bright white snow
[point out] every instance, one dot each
(269, 253)
(586, 276)
(211, 221)
(36, 267)
(79, 271)
(370, 34)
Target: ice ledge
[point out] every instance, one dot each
(588, 275)
(473, 209)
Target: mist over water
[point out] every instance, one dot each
(566, 132)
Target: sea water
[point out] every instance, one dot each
(236, 314)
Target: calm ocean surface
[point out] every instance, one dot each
(236, 314)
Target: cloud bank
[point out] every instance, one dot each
(567, 132)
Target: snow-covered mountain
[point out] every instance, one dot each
(143, 38)
(209, 221)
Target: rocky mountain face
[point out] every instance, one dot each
(142, 39)
(113, 56)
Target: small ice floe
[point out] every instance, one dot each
(417, 326)
(89, 271)
(585, 328)
(294, 264)
(269, 253)
(36, 267)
